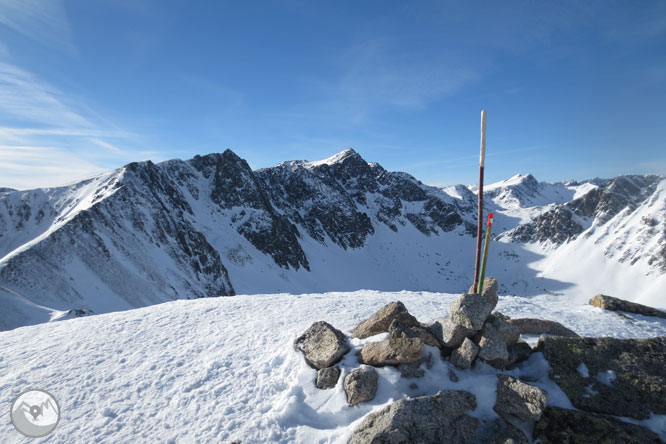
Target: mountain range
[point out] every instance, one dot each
(149, 232)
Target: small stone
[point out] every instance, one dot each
(493, 350)
(448, 333)
(470, 310)
(322, 345)
(453, 377)
(531, 326)
(380, 321)
(508, 332)
(327, 378)
(412, 370)
(518, 352)
(518, 399)
(400, 329)
(616, 304)
(361, 385)
(489, 292)
(392, 351)
(463, 357)
(413, 386)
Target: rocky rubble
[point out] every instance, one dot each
(624, 378)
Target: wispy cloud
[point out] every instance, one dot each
(43, 21)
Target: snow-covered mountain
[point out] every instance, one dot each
(210, 226)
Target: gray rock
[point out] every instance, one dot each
(500, 432)
(361, 385)
(470, 311)
(453, 377)
(542, 326)
(518, 399)
(412, 370)
(508, 332)
(400, 329)
(327, 378)
(322, 345)
(576, 427)
(449, 334)
(380, 321)
(463, 357)
(493, 349)
(489, 292)
(638, 367)
(616, 304)
(518, 352)
(392, 351)
(424, 420)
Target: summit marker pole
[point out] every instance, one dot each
(479, 230)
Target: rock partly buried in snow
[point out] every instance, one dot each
(322, 345)
(518, 352)
(575, 427)
(400, 329)
(327, 378)
(424, 420)
(380, 321)
(518, 399)
(463, 357)
(470, 310)
(621, 377)
(506, 331)
(493, 349)
(489, 292)
(448, 333)
(361, 385)
(392, 351)
(615, 304)
(500, 432)
(531, 326)
(412, 370)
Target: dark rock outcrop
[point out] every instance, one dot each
(558, 426)
(623, 377)
(426, 420)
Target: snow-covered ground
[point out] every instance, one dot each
(223, 369)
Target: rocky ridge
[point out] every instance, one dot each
(621, 378)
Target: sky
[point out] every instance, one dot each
(573, 90)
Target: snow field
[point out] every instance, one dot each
(224, 369)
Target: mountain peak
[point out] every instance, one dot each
(342, 156)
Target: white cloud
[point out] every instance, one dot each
(43, 21)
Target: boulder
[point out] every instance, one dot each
(531, 326)
(615, 304)
(508, 332)
(327, 378)
(392, 351)
(518, 352)
(515, 398)
(637, 366)
(380, 321)
(463, 357)
(576, 427)
(489, 292)
(500, 432)
(400, 329)
(449, 334)
(361, 385)
(493, 349)
(322, 345)
(470, 310)
(424, 420)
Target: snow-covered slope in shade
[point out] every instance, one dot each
(223, 369)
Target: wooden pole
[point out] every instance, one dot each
(486, 244)
(479, 230)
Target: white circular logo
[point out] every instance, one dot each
(35, 413)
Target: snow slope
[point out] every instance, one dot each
(223, 369)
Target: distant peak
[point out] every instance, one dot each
(343, 157)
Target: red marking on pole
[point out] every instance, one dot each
(491, 216)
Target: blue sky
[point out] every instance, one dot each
(573, 89)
